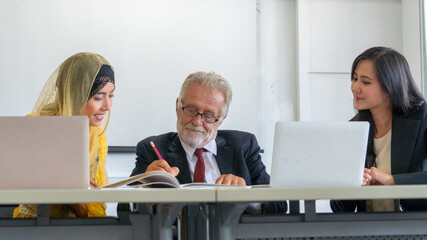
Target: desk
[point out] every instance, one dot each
(224, 208)
(226, 221)
(142, 225)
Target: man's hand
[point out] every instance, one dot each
(230, 179)
(162, 165)
(380, 177)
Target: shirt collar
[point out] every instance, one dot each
(211, 147)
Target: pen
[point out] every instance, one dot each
(155, 149)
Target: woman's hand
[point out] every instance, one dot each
(366, 177)
(81, 209)
(380, 177)
(93, 184)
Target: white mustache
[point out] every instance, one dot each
(196, 129)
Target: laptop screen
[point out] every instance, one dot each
(309, 154)
(49, 152)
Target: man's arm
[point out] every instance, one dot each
(260, 176)
(143, 159)
(257, 172)
(146, 162)
(255, 165)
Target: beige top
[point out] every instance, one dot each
(382, 148)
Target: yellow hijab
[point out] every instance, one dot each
(66, 93)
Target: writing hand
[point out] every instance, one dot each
(162, 165)
(230, 179)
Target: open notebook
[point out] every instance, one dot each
(309, 154)
(44, 152)
(160, 179)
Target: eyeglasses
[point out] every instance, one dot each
(209, 118)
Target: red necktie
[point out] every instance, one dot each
(199, 171)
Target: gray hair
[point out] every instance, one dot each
(211, 81)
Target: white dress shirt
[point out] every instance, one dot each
(212, 172)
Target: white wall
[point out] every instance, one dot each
(277, 76)
(152, 44)
(331, 34)
(412, 24)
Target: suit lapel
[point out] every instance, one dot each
(177, 157)
(224, 156)
(403, 137)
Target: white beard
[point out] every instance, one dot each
(195, 137)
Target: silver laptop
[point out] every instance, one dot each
(314, 154)
(44, 152)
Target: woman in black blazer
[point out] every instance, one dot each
(385, 94)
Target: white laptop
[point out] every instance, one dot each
(44, 152)
(317, 154)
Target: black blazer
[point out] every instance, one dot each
(408, 157)
(237, 154)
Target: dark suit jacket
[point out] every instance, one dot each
(237, 154)
(408, 157)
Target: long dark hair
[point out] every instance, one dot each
(395, 78)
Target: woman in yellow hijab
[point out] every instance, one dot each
(82, 85)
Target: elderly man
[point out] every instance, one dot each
(199, 152)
